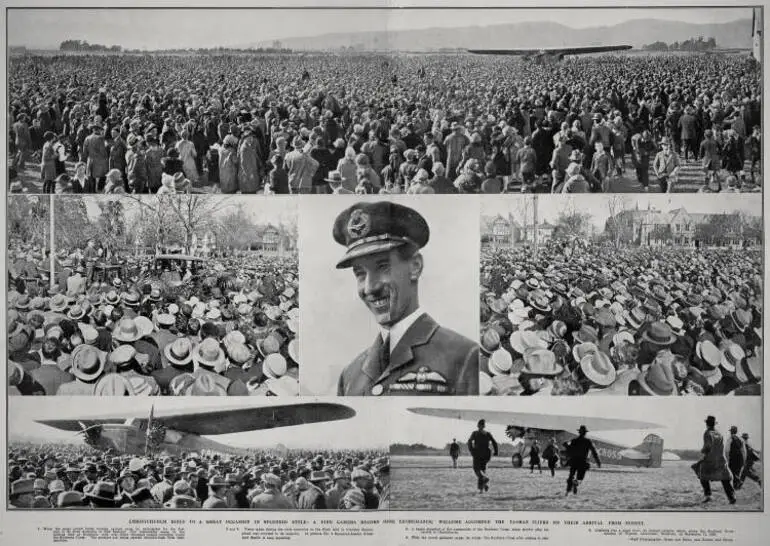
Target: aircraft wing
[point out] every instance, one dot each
(536, 420)
(225, 421)
(551, 51)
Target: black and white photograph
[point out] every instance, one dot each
(483, 454)
(621, 295)
(388, 296)
(385, 100)
(152, 295)
(196, 454)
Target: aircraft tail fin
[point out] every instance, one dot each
(652, 444)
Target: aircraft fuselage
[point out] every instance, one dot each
(610, 453)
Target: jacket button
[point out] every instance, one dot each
(377, 390)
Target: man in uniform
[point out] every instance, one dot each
(478, 446)
(578, 450)
(412, 354)
(454, 452)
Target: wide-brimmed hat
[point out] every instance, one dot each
(102, 491)
(659, 333)
(598, 369)
(209, 354)
(334, 176)
(58, 303)
(541, 362)
(500, 362)
(580, 350)
(749, 369)
(658, 379)
(539, 302)
(122, 355)
(586, 334)
(732, 355)
(285, 386)
(87, 363)
(293, 350)
(112, 297)
(709, 353)
(274, 366)
(126, 331)
(636, 317)
(130, 299)
(741, 319)
(522, 340)
(114, 384)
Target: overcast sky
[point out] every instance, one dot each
(361, 431)
(550, 206)
(681, 419)
(182, 28)
(274, 209)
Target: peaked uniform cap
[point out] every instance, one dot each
(370, 228)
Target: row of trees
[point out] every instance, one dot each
(692, 44)
(82, 45)
(123, 224)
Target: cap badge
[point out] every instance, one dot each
(359, 224)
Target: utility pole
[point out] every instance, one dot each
(534, 220)
(51, 244)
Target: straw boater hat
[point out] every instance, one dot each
(732, 356)
(500, 362)
(209, 354)
(274, 366)
(293, 350)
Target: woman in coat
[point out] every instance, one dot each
(347, 168)
(249, 164)
(228, 165)
(48, 162)
(153, 158)
(187, 155)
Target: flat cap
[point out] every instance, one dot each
(370, 228)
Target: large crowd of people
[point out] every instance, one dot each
(629, 321)
(137, 325)
(66, 476)
(367, 123)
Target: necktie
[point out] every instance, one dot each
(385, 353)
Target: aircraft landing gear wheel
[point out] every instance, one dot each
(516, 461)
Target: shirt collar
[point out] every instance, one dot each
(398, 330)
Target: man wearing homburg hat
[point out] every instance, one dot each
(412, 354)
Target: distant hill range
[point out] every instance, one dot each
(506, 450)
(734, 34)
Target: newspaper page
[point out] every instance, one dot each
(524, 245)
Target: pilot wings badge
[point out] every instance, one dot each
(359, 224)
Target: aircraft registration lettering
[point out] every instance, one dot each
(609, 453)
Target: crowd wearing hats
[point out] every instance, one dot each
(232, 329)
(63, 476)
(404, 124)
(633, 321)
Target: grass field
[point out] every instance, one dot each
(430, 483)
